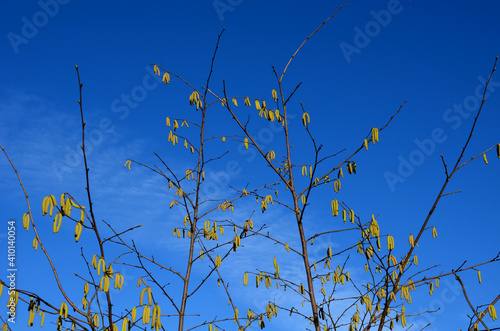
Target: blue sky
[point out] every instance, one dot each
(355, 73)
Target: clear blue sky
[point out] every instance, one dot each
(355, 73)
